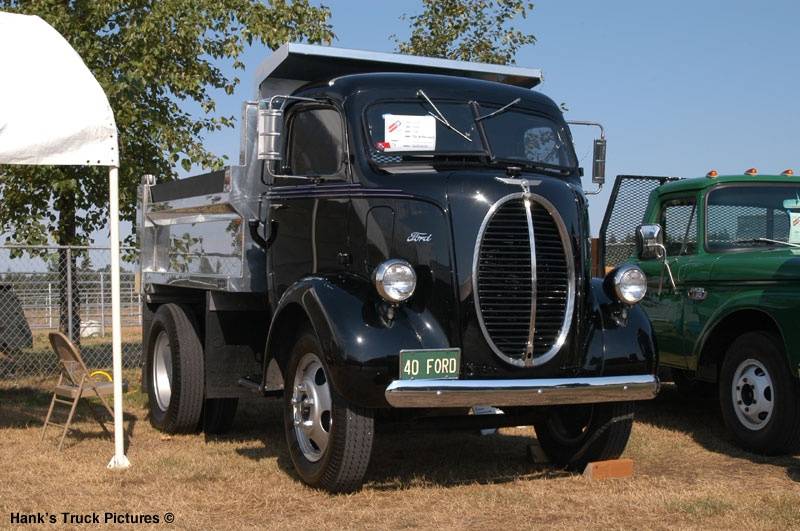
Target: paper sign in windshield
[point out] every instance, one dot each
(402, 132)
(794, 227)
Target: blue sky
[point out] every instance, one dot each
(682, 87)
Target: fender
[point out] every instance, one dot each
(621, 337)
(360, 348)
(783, 316)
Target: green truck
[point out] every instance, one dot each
(722, 258)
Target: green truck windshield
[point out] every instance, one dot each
(401, 128)
(743, 217)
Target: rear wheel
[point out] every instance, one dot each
(174, 370)
(329, 440)
(759, 397)
(575, 435)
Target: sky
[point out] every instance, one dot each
(681, 87)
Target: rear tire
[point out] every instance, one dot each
(174, 371)
(758, 395)
(575, 435)
(329, 439)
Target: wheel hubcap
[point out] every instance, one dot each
(311, 407)
(753, 399)
(162, 371)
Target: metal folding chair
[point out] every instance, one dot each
(74, 383)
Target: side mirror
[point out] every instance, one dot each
(650, 242)
(270, 130)
(599, 162)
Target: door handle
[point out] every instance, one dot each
(697, 294)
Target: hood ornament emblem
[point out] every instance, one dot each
(526, 184)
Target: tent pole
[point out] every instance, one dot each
(119, 460)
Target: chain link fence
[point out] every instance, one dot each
(50, 288)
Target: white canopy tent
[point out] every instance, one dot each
(54, 112)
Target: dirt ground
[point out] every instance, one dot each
(687, 475)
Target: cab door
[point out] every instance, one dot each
(665, 305)
(309, 201)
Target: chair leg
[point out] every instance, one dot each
(97, 418)
(72, 411)
(49, 413)
(52, 405)
(105, 403)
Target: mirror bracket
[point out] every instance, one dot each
(650, 244)
(598, 155)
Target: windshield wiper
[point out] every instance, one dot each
(502, 109)
(441, 117)
(540, 166)
(766, 240)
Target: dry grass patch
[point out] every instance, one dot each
(688, 475)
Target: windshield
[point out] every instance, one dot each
(747, 217)
(404, 131)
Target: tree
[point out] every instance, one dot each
(467, 30)
(159, 62)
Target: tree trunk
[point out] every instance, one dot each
(67, 274)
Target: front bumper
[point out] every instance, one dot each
(532, 392)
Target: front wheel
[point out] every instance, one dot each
(575, 435)
(759, 397)
(330, 440)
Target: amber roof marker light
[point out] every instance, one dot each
(712, 174)
(788, 172)
(751, 171)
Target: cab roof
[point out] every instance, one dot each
(702, 183)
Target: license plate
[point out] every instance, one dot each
(434, 364)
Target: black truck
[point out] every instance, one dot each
(403, 237)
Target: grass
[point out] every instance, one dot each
(688, 475)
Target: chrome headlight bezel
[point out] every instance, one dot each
(629, 283)
(383, 274)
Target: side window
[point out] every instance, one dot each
(316, 142)
(679, 220)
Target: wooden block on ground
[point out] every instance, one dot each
(615, 468)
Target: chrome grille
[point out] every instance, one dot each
(523, 280)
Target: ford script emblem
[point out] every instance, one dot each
(419, 237)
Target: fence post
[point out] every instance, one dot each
(50, 305)
(69, 293)
(102, 308)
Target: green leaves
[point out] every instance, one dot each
(155, 59)
(468, 30)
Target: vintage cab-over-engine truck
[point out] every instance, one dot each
(403, 235)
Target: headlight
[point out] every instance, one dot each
(630, 284)
(395, 280)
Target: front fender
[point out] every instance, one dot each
(779, 304)
(621, 340)
(360, 347)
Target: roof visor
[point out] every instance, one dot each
(293, 65)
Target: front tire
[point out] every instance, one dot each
(330, 440)
(759, 397)
(575, 435)
(174, 370)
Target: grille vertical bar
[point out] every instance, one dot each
(523, 279)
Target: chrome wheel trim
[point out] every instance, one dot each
(753, 394)
(311, 407)
(162, 371)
